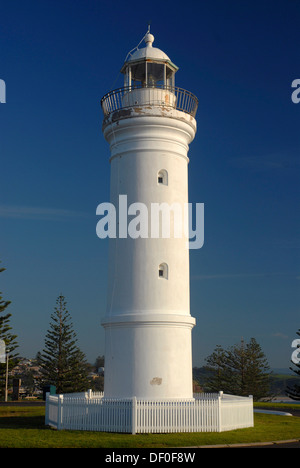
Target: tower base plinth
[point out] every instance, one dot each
(148, 356)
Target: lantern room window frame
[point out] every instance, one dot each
(148, 73)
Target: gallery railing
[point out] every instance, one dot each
(135, 96)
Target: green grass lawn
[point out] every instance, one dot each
(23, 427)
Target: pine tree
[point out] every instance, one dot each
(240, 370)
(257, 375)
(294, 392)
(216, 364)
(62, 363)
(9, 340)
(236, 362)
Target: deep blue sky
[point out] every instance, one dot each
(58, 58)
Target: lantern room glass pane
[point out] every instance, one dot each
(170, 77)
(155, 74)
(138, 73)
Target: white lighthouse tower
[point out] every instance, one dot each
(149, 124)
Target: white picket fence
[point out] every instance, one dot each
(92, 412)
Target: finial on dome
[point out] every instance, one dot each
(149, 38)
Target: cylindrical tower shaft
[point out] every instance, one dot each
(148, 323)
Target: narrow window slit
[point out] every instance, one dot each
(163, 271)
(162, 177)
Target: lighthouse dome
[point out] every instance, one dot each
(149, 52)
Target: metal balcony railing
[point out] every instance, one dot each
(135, 96)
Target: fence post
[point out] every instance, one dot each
(251, 411)
(47, 409)
(134, 416)
(60, 411)
(220, 411)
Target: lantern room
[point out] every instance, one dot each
(149, 67)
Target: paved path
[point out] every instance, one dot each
(294, 412)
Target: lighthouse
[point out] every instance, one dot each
(149, 124)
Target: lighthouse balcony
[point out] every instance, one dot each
(138, 96)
